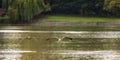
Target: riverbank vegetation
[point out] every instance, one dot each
(20, 11)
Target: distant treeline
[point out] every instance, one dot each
(25, 10)
(87, 7)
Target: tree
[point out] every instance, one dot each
(24, 10)
(109, 4)
(112, 7)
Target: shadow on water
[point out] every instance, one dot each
(38, 43)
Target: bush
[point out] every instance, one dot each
(4, 20)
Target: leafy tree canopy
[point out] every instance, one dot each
(24, 9)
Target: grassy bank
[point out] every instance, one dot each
(78, 19)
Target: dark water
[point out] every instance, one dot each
(43, 43)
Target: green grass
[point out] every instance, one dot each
(78, 19)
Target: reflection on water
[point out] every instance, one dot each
(9, 50)
(95, 55)
(12, 54)
(42, 45)
(81, 34)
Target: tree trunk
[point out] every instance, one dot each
(81, 11)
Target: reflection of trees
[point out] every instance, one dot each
(1, 37)
(8, 47)
(81, 44)
(1, 41)
(88, 42)
(41, 45)
(111, 43)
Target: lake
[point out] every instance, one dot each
(59, 43)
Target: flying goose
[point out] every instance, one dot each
(60, 38)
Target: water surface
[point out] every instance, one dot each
(42, 43)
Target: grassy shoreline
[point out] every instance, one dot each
(77, 19)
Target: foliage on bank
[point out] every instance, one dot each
(21, 10)
(25, 10)
(86, 7)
